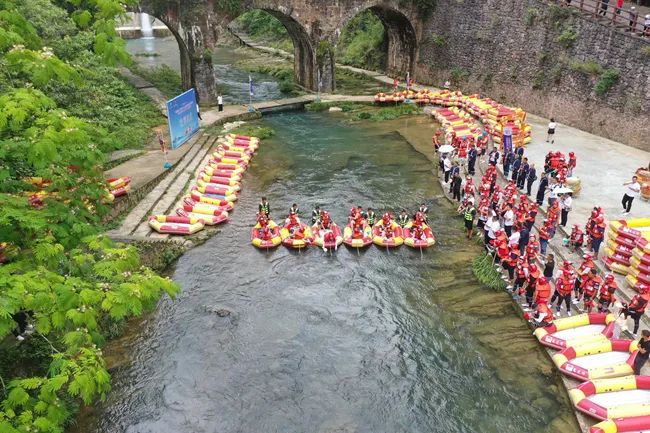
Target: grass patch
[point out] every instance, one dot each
(164, 78)
(345, 106)
(645, 50)
(590, 67)
(484, 271)
(387, 113)
(262, 132)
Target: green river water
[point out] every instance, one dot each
(374, 341)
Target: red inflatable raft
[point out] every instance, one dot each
(359, 239)
(191, 205)
(208, 220)
(637, 424)
(327, 238)
(175, 225)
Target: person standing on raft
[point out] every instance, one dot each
(294, 210)
(370, 217)
(315, 215)
(403, 218)
(644, 352)
(264, 207)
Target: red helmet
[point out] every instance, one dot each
(567, 263)
(609, 278)
(587, 256)
(533, 267)
(572, 154)
(542, 280)
(600, 219)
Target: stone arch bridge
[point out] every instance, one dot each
(313, 25)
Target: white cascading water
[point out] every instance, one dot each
(145, 26)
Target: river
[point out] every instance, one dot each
(349, 342)
(232, 82)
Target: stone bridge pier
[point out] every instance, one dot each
(313, 25)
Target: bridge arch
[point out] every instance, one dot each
(401, 48)
(304, 64)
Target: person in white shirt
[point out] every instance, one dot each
(220, 102)
(446, 166)
(565, 207)
(551, 131)
(631, 192)
(513, 239)
(552, 195)
(508, 220)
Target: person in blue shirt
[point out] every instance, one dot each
(532, 177)
(523, 174)
(508, 159)
(515, 168)
(471, 161)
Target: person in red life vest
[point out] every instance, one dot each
(533, 248)
(436, 139)
(590, 290)
(484, 189)
(293, 225)
(553, 215)
(596, 235)
(325, 221)
(542, 317)
(531, 283)
(583, 272)
(637, 306)
(469, 188)
(542, 291)
(562, 175)
(521, 275)
(418, 228)
(577, 237)
(544, 236)
(606, 294)
(264, 231)
(564, 288)
(387, 227)
(573, 161)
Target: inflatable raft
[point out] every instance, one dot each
(215, 188)
(118, 186)
(230, 174)
(216, 199)
(637, 424)
(327, 239)
(208, 220)
(425, 241)
(175, 225)
(598, 359)
(619, 397)
(226, 181)
(570, 331)
(300, 238)
(191, 205)
(271, 242)
(379, 237)
(361, 240)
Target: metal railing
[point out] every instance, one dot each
(630, 20)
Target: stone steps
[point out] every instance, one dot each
(143, 209)
(170, 198)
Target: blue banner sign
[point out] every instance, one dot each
(183, 118)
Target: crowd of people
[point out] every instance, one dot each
(505, 218)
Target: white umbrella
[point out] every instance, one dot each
(563, 190)
(446, 148)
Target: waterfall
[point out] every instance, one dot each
(145, 26)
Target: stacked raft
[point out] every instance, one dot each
(626, 252)
(215, 190)
(609, 392)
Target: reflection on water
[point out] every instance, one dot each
(232, 82)
(375, 341)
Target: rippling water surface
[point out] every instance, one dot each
(372, 342)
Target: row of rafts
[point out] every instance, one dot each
(217, 187)
(326, 234)
(610, 391)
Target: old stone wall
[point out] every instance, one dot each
(549, 60)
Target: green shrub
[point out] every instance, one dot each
(458, 74)
(439, 40)
(645, 50)
(486, 274)
(607, 81)
(567, 38)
